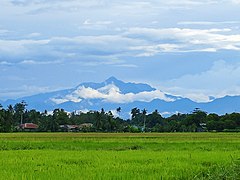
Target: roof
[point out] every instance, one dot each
(29, 126)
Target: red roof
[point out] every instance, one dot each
(29, 126)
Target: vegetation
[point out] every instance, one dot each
(120, 156)
(116, 155)
(102, 121)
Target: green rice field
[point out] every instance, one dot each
(120, 156)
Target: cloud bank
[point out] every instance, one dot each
(221, 79)
(151, 41)
(134, 42)
(110, 93)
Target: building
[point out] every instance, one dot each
(76, 128)
(28, 127)
(69, 128)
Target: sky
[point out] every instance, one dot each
(189, 48)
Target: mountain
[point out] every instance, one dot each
(124, 87)
(227, 104)
(114, 93)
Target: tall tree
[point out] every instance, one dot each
(19, 110)
(144, 112)
(98, 121)
(119, 110)
(135, 111)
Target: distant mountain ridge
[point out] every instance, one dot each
(124, 87)
(114, 93)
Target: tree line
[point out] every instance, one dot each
(140, 121)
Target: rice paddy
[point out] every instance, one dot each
(120, 156)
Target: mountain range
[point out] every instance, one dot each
(114, 93)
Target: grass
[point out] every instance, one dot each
(120, 156)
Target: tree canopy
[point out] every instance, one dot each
(100, 121)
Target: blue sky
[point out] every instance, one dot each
(188, 48)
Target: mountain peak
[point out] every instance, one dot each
(112, 79)
(113, 93)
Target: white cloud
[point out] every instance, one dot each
(112, 46)
(98, 25)
(59, 100)
(126, 65)
(69, 48)
(32, 35)
(111, 93)
(21, 91)
(4, 31)
(156, 34)
(5, 63)
(184, 40)
(134, 42)
(19, 47)
(45, 6)
(34, 62)
(208, 22)
(221, 79)
(66, 99)
(89, 22)
(236, 1)
(152, 50)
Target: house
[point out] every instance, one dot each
(202, 127)
(28, 127)
(85, 126)
(76, 128)
(69, 128)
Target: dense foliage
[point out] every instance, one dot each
(101, 121)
